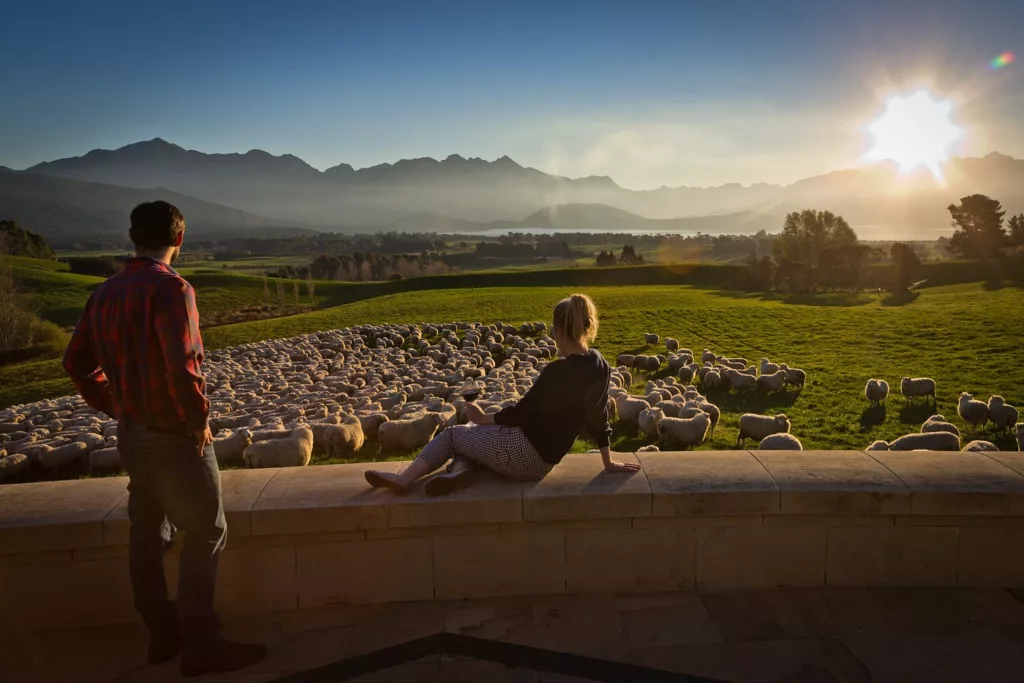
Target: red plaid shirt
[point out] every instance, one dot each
(136, 352)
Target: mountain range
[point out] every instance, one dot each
(225, 193)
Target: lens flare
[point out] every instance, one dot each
(1005, 59)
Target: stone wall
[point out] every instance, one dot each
(308, 537)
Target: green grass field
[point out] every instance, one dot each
(965, 336)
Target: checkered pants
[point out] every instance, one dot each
(504, 450)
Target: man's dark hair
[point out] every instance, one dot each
(156, 225)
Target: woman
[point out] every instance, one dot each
(526, 440)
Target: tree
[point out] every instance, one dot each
(1016, 227)
(805, 235)
(979, 227)
(905, 266)
(606, 258)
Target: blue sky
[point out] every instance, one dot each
(649, 93)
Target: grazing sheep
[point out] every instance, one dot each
(671, 344)
(775, 381)
(686, 372)
(292, 451)
(753, 426)
(713, 412)
(12, 465)
(651, 448)
(230, 448)
(931, 441)
(740, 381)
(712, 380)
(767, 367)
(62, 455)
(104, 461)
(780, 442)
(878, 445)
(708, 356)
(918, 386)
(1001, 414)
(649, 419)
(651, 339)
(341, 440)
(625, 359)
(796, 377)
(402, 436)
(669, 408)
(974, 413)
(683, 432)
(876, 391)
(653, 364)
(931, 425)
(91, 441)
(371, 422)
(630, 408)
(980, 446)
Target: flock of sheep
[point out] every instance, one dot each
(276, 402)
(937, 433)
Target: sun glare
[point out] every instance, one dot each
(915, 130)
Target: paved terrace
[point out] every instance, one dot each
(734, 565)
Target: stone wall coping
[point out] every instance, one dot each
(333, 499)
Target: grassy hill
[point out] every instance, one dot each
(965, 336)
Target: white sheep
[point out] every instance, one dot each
(671, 344)
(686, 372)
(980, 446)
(917, 386)
(650, 448)
(669, 408)
(878, 445)
(1001, 414)
(230, 447)
(775, 381)
(931, 441)
(292, 451)
(630, 407)
(371, 422)
(649, 419)
(104, 461)
(62, 455)
(753, 426)
(652, 364)
(876, 391)
(740, 381)
(767, 367)
(712, 380)
(342, 440)
(708, 356)
(403, 436)
(651, 339)
(683, 432)
(931, 425)
(1018, 432)
(974, 413)
(794, 376)
(712, 410)
(625, 359)
(780, 442)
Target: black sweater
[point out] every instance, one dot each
(568, 396)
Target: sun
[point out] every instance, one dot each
(915, 130)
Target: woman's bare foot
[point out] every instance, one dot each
(386, 480)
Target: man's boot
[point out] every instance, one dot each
(459, 475)
(214, 654)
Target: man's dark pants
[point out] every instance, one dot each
(170, 487)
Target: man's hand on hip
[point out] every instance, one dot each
(204, 437)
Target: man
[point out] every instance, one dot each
(136, 356)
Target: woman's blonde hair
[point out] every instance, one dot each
(577, 318)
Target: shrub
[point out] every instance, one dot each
(102, 266)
